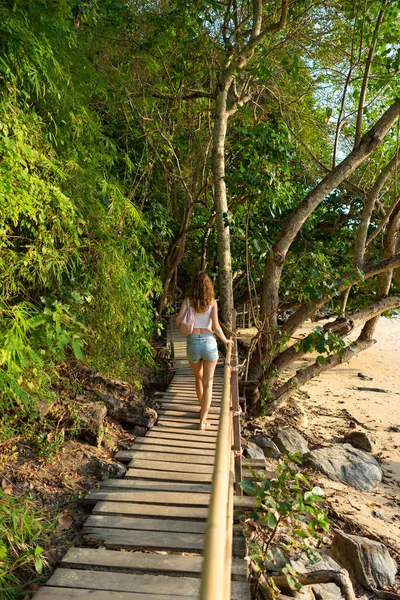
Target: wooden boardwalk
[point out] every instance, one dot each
(148, 528)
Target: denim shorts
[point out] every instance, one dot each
(201, 346)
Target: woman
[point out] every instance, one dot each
(202, 351)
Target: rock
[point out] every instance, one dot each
(251, 450)
(91, 423)
(127, 412)
(364, 377)
(378, 515)
(268, 447)
(45, 406)
(139, 431)
(321, 562)
(369, 562)
(290, 440)
(110, 441)
(278, 560)
(361, 440)
(342, 462)
(395, 428)
(103, 469)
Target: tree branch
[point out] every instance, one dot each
(305, 310)
(367, 71)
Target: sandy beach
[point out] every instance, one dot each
(331, 401)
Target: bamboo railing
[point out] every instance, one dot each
(216, 572)
(217, 565)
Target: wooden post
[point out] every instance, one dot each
(171, 336)
(236, 410)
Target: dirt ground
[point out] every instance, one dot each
(330, 402)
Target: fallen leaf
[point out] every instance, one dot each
(7, 487)
(64, 522)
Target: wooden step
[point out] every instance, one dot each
(160, 486)
(171, 457)
(144, 524)
(112, 507)
(168, 476)
(191, 438)
(148, 497)
(137, 463)
(138, 562)
(153, 540)
(150, 585)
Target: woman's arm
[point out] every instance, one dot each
(216, 326)
(181, 313)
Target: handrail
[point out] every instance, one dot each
(216, 572)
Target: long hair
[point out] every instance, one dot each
(202, 293)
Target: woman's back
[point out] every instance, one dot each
(203, 320)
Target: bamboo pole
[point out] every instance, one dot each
(213, 584)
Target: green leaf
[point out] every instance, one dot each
(248, 487)
(271, 520)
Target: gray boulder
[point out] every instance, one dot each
(104, 469)
(361, 440)
(342, 462)
(322, 562)
(290, 440)
(369, 562)
(91, 423)
(251, 450)
(139, 431)
(268, 447)
(128, 412)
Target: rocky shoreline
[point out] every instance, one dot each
(346, 438)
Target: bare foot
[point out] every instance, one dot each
(204, 426)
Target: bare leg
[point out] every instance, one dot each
(208, 378)
(197, 369)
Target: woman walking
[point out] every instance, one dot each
(202, 352)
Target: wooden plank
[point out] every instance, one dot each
(172, 457)
(169, 476)
(150, 585)
(55, 593)
(149, 510)
(125, 582)
(182, 426)
(148, 484)
(186, 407)
(142, 524)
(137, 562)
(148, 497)
(153, 540)
(166, 466)
(170, 446)
(193, 437)
(185, 416)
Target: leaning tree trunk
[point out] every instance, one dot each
(261, 361)
(221, 208)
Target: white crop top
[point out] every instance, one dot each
(203, 320)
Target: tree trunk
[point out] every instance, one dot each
(221, 207)
(278, 395)
(276, 258)
(385, 279)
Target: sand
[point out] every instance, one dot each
(325, 422)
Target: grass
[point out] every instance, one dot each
(24, 532)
